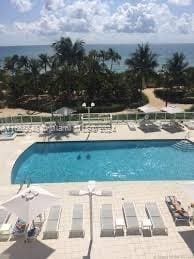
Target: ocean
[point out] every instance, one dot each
(164, 51)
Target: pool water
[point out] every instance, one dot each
(103, 161)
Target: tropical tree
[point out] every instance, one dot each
(23, 63)
(103, 58)
(34, 70)
(11, 64)
(44, 61)
(142, 63)
(69, 53)
(174, 73)
(113, 56)
(176, 67)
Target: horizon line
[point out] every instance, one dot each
(116, 44)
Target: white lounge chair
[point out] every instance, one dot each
(106, 219)
(158, 226)
(131, 221)
(51, 230)
(77, 222)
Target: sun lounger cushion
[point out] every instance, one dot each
(131, 220)
(54, 212)
(106, 211)
(51, 226)
(156, 219)
(51, 229)
(77, 222)
(106, 219)
(129, 209)
(77, 225)
(78, 211)
(153, 209)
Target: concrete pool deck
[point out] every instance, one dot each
(178, 244)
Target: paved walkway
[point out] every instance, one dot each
(159, 103)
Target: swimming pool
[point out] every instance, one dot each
(103, 161)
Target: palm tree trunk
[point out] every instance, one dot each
(143, 84)
(166, 98)
(111, 65)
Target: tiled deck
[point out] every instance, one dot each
(179, 242)
(175, 245)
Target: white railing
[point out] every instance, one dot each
(74, 118)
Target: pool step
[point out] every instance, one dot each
(184, 145)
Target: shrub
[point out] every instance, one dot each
(176, 96)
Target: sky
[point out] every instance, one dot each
(29, 22)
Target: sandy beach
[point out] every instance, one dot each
(7, 112)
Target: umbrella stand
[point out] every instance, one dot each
(91, 216)
(26, 233)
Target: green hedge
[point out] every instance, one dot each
(176, 96)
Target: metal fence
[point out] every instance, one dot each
(116, 118)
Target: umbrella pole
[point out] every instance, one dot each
(91, 216)
(26, 233)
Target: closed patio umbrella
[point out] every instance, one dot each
(64, 111)
(148, 109)
(31, 202)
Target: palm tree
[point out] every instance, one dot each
(34, 69)
(176, 68)
(174, 72)
(113, 56)
(103, 57)
(69, 53)
(44, 61)
(11, 63)
(23, 62)
(143, 63)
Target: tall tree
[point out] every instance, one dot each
(11, 64)
(176, 67)
(174, 73)
(143, 63)
(69, 53)
(34, 69)
(113, 56)
(44, 61)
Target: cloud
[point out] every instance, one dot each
(79, 16)
(22, 5)
(59, 17)
(180, 2)
(53, 5)
(148, 17)
(2, 28)
(132, 19)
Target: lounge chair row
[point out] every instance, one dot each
(158, 227)
(131, 221)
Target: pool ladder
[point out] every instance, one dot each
(184, 145)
